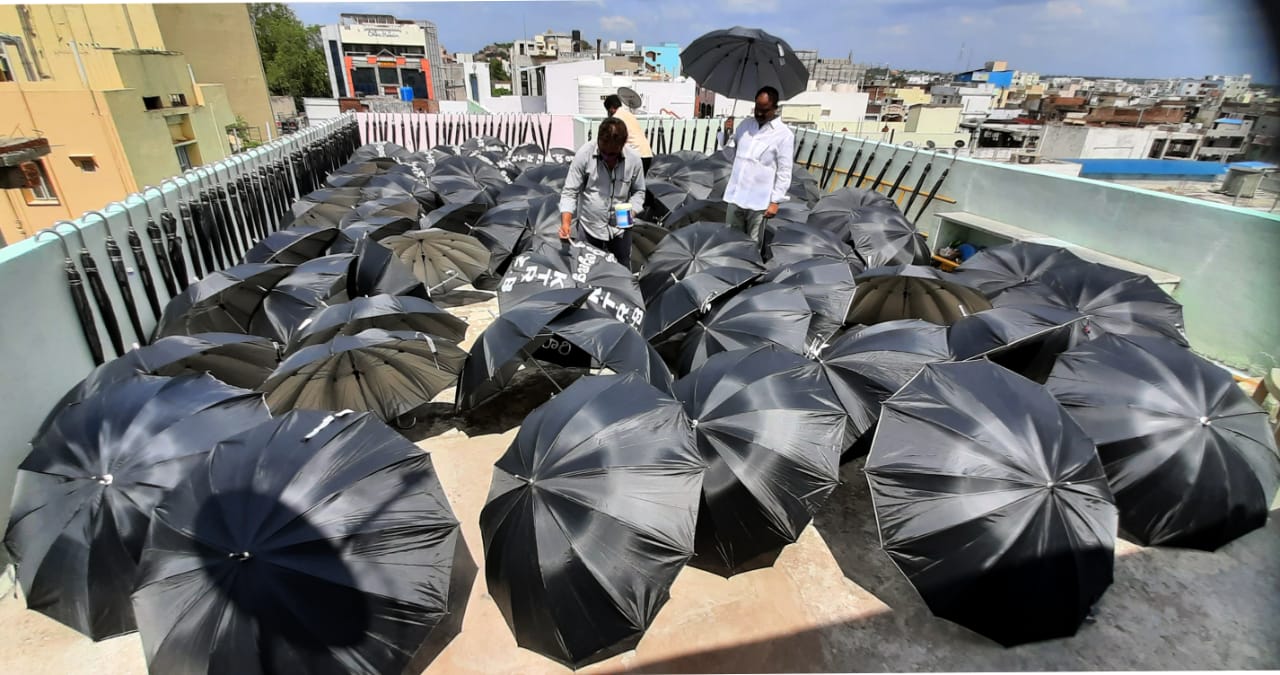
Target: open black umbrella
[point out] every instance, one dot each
(737, 62)
(770, 429)
(377, 271)
(382, 149)
(1190, 457)
(386, 372)
(1023, 338)
(440, 259)
(388, 312)
(547, 175)
(790, 212)
(796, 243)
(86, 492)
(543, 218)
(467, 180)
(696, 211)
(696, 248)
(828, 286)
(667, 164)
(591, 515)
(645, 237)
(549, 267)
(985, 490)
(520, 191)
(502, 229)
(1113, 301)
(912, 292)
(292, 246)
(376, 228)
(309, 286)
(661, 198)
(311, 543)
(454, 217)
(881, 236)
(851, 199)
(560, 156)
(398, 203)
(223, 301)
(999, 268)
(763, 314)
(676, 309)
(526, 156)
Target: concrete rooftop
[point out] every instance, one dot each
(832, 602)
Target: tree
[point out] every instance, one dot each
(291, 55)
(497, 73)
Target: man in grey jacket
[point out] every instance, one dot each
(604, 172)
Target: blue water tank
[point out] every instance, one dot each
(406, 93)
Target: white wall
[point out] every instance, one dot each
(1061, 142)
(679, 96)
(562, 84)
(453, 107)
(845, 107)
(320, 109)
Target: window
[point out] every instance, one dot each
(184, 157)
(151, 102)
(86, 163)
(6, 70)
(39, 188)
(178, 100)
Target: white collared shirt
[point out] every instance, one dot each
(762, 158)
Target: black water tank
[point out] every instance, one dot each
(577, 38)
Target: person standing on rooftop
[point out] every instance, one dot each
(635, 135)
(604, 173)
(761, 153)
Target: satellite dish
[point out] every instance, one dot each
(930, 145)
(629, 97)
(959, 144)
(908, 144)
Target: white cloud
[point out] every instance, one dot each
(749, 6)
(617, 24)
(1061, 9)
(896, 29)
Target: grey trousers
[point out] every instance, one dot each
(749, 222)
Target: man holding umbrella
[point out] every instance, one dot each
(605, 179)
(762, 156)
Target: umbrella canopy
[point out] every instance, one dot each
(763, 314)
(223, 301)
(547, 175)
(560, 156)
(1023, 338)
(345, 196)
(770, 429)
(311, 285)
(591, 515)
(738, 61)
(513, 333)
(315, 215)
(311, 543)
(526, 156)
(1113, 301)
(880, 236)
(400, 204)
(790, 213)
(292, 246)
(696, 211)
(543, 219)
(502, 229)
(388, 312)
(676, 309)
(454, 217)
(498, 160)
(549, 267)
(376, 228)
(1000, 268)
(519, 191)
(86, 492)
(866, 366)
(666, 165)
(411, 180)
(984, 489)
(678, 183)
(381, 149)
(828, 287)
(661, 198)
(849, 199)
(478, 144)
(804, 187)
(377, 271)
(801, 242)
(467, 180)
(912, 292)
(1190, 457)
(645, 237)
(440, 259)
(386, 372)
(696, 248)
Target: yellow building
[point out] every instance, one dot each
(120, 106)
(911, 96)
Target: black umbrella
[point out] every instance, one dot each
(1190, 457)
(353, 174)
(481, 144)
(645, 238)
(526, 156)
(912, 292)
(388, 312)
(696, 248)
(993, 502)
(309, 286)
(661, 198)
(455, 217)
(676, 309)
(669, 164)
(760, 315)
(311, 543)
(376, 271)
(804, 187)
(1023, 338)
(737, 62)
(578, 566)
(1000, 268)
(549, 267)
(851, 199)
(86, 492)
(292, 246)
(376, 228)
(1113, 301)
(520, 191)
(543, 219)
(790, 212)
(381, 149)
(694, 211)
(467, 180)
(770, 429)
(440, 259)
(223, 301)
(385, 372)
(880, 236)
(560, 156)
(828, 286)
(499, 161)
(502, 229)
(800, 242)
(388, 206)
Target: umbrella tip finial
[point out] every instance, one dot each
(105, 479)
(1204, 421)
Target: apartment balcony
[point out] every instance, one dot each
(832, 601)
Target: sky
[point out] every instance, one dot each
(1119, 38)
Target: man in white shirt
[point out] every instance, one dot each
(762, 157)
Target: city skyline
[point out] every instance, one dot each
(1102, 38)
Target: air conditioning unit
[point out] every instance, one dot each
(1026, 157)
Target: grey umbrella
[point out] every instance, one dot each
(441, 259)
(385, 372)
(738, 61)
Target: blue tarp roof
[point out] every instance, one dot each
(1227, 120)
(1148, 167)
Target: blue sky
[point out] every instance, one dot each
(1123, 38)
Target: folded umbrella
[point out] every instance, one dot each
(769, 427)
(763, 314)
(86, 492)
(695, 248)
(984, 489)
(314, 542)
(1190, 457)
(389, 373)
(440, 259)
(579, 566)
(912, 292)
(223, 301)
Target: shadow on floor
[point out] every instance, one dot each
(461, 297)
(528, 389)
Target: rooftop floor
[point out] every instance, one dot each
(832, 602)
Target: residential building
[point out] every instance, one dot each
(829, 70)
(1234, 87)
(975, 100)
(1024, 80)
(553, 44)
(662, 59)
(1225, 141)
(377, 54)
(118, 105)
